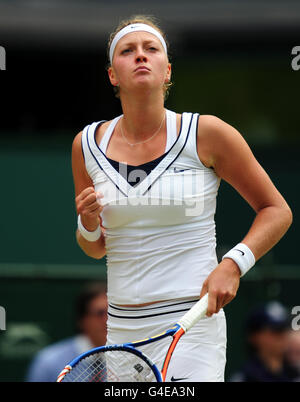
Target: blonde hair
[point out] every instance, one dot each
(138, 19)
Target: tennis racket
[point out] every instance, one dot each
(125, 362)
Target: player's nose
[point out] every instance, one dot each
(140, 54)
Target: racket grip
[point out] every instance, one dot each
(197, 312)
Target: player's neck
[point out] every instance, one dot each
(142, 115)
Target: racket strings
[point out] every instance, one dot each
(111, 366)
(90, 369)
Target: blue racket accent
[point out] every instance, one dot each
(170, 332)
(95, 370)
(123, 362)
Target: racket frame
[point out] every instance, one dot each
(184, 324)
(129, 347)
(126, 347)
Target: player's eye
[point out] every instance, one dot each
(128, 50)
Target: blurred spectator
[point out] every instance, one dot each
(91, 316)
(293, 351)
(267, 329)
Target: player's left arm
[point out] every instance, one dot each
(223, 148)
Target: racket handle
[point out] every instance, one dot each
(197, 312)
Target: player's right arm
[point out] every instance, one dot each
(87, 203)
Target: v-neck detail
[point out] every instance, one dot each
(126, 170)
(141, 188)
(171, 123)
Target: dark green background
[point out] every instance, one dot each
(41, 267)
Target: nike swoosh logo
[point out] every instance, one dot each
(178, 379)
(240, 251)
(176, 170)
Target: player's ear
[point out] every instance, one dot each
(112, 77)
(169, 73)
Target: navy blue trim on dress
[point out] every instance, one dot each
(208, 167)
(187, 136)
(82, 146)
(136, 166)
(189, 129)
(153, 308)
(148, 316)
(87, 137)
(146, 167)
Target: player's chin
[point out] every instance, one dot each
(144, 83)
(142, 79)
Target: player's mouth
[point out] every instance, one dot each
(142, 68)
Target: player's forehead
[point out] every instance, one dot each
(138, 37)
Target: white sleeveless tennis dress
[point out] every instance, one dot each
(160, 243)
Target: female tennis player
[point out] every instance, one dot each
(146, 184)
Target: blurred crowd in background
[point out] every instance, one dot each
(90, 322)
(273, 346)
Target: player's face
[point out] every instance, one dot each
(139, 62)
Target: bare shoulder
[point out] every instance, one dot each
(77, 153)
(77, 142)
(214, 137)
(209, 120)
(80, 175)
(212, 127)
(76, 146)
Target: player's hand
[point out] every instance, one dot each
(89, 207)
(221, 285)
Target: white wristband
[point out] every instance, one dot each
(243, 256)
(90, 236)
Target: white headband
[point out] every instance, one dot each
(135, 28)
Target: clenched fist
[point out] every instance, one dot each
(89, 207)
